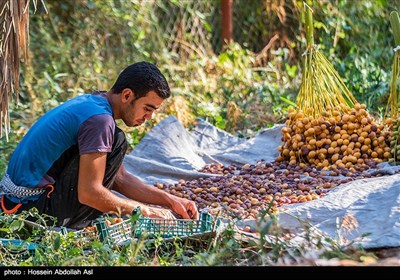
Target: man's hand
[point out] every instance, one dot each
(156, 212)
(185, 208)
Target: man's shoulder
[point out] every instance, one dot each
(86, 105)
(97, 92)
(101, 118)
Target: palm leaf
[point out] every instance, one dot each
(14, 16)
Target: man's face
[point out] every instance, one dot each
(136, 112)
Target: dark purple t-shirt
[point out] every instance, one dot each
(96, 134)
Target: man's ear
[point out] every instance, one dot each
(126, 95)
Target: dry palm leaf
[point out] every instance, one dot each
(321, 85)
(14, 16)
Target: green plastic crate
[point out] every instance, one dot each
(167, 228)
(117, 233)
(18, 244)
(13, 247)
(83, 237)
(138, 226)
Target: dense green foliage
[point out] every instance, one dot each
(81, 45)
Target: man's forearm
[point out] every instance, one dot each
(106, 201)
(133, 188)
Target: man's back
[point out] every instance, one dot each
(50, 136)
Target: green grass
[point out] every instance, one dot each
(273, 246)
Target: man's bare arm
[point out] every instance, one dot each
(91, 191)
(130, 186)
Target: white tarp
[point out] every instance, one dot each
(169, 152)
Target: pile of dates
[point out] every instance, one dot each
(244, 191)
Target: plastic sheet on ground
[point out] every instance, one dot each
(369, 207)
(170, 152)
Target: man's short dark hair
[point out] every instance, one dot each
(142, 77)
